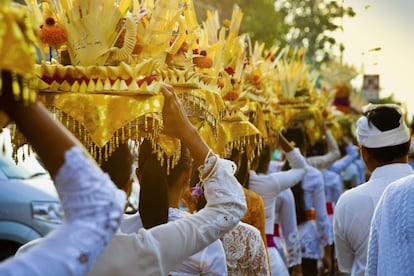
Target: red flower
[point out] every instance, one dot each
(230, 70)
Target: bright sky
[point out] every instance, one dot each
(389, 25)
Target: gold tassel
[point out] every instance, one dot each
(16, 87)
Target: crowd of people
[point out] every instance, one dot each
(318, 207)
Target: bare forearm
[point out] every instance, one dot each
(284, 144)
(196, 145)
(48, 138)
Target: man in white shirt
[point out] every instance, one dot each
(391, 240)
(384, 141)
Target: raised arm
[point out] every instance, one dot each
(167, 245)
(176, 124)
(324, 161)
(49, 139)
(92, 204)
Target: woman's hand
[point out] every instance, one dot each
(176, 122)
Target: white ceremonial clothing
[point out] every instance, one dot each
(246, 253)
(161, 249)
(286, 233)
(351, 175)
(275, 166)
(93, 208)
(353, 214)
(341, 164)
(333, 190)
(362, 170)
(268, 186)
(391, 242)
(333, 186)
(322, 162)
(209, 261)
(314, 234)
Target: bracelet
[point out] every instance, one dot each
(214, 167)
(198, 189)
(208, 154)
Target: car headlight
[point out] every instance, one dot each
(47, 211)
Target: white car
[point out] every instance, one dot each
(29, 205)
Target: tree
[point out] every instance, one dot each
(260, 19)
(312, 24)
(297, 23)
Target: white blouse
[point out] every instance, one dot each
(314, 234)
(209, 261)
(159, 250)
(333, 186)
(288, 241)
(93, 208)
(333, 190)
(268, 186)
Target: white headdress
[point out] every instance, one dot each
(371, 137)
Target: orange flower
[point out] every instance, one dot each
(226, 23)
(52, 33)
(231, 95)
(203, 62)
(220, 83)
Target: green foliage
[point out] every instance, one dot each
(297, 23)
(260, 19)
(386, 100)
(312, 24)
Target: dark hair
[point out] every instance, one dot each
(242, 174)
(319, 148)
(386, 118)
(119, 166)
(154, 183)
(298, 194)
(296, 135)
(264, 159)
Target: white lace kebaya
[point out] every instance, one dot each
(158, 250)
(93, 209)
(246, 252)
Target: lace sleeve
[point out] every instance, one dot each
(246, 253)
(93, 208)
(255, 214)
(85, 190)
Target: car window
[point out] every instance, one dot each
(26, 167)
(12, 170)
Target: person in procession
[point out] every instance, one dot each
(384, 141)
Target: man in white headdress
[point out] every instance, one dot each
(384, 141)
